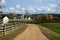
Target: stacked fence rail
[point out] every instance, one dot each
(10, 27)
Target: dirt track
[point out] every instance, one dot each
(31, 33)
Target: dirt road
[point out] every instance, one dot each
(32, 32)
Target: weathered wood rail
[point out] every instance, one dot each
(10, 27)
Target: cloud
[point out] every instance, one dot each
(17, 11)
(53, 10)
(23, 9)
(38, 0)
(3, 1)
(52, 5)
(17, 6)
(39, 9)
(11, 8)
(6, 10)
(48, 9)
(31, 9)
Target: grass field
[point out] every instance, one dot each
(53, 26)
(52, 30)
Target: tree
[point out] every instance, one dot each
(11, 15)
(47, 17)
(51, 17)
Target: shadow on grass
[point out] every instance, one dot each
(12, 35)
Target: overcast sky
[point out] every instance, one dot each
(33, 6)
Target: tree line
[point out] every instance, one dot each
(42, 17)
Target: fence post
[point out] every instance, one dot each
(4, 31)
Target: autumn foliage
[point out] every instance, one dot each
(43, 17)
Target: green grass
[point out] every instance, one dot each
(52, 26)
(51, 30)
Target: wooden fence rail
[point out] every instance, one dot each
(10, 27)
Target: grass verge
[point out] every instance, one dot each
(12, 35)
(52, 26)
(52, 35)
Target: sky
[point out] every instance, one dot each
(33, 6)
